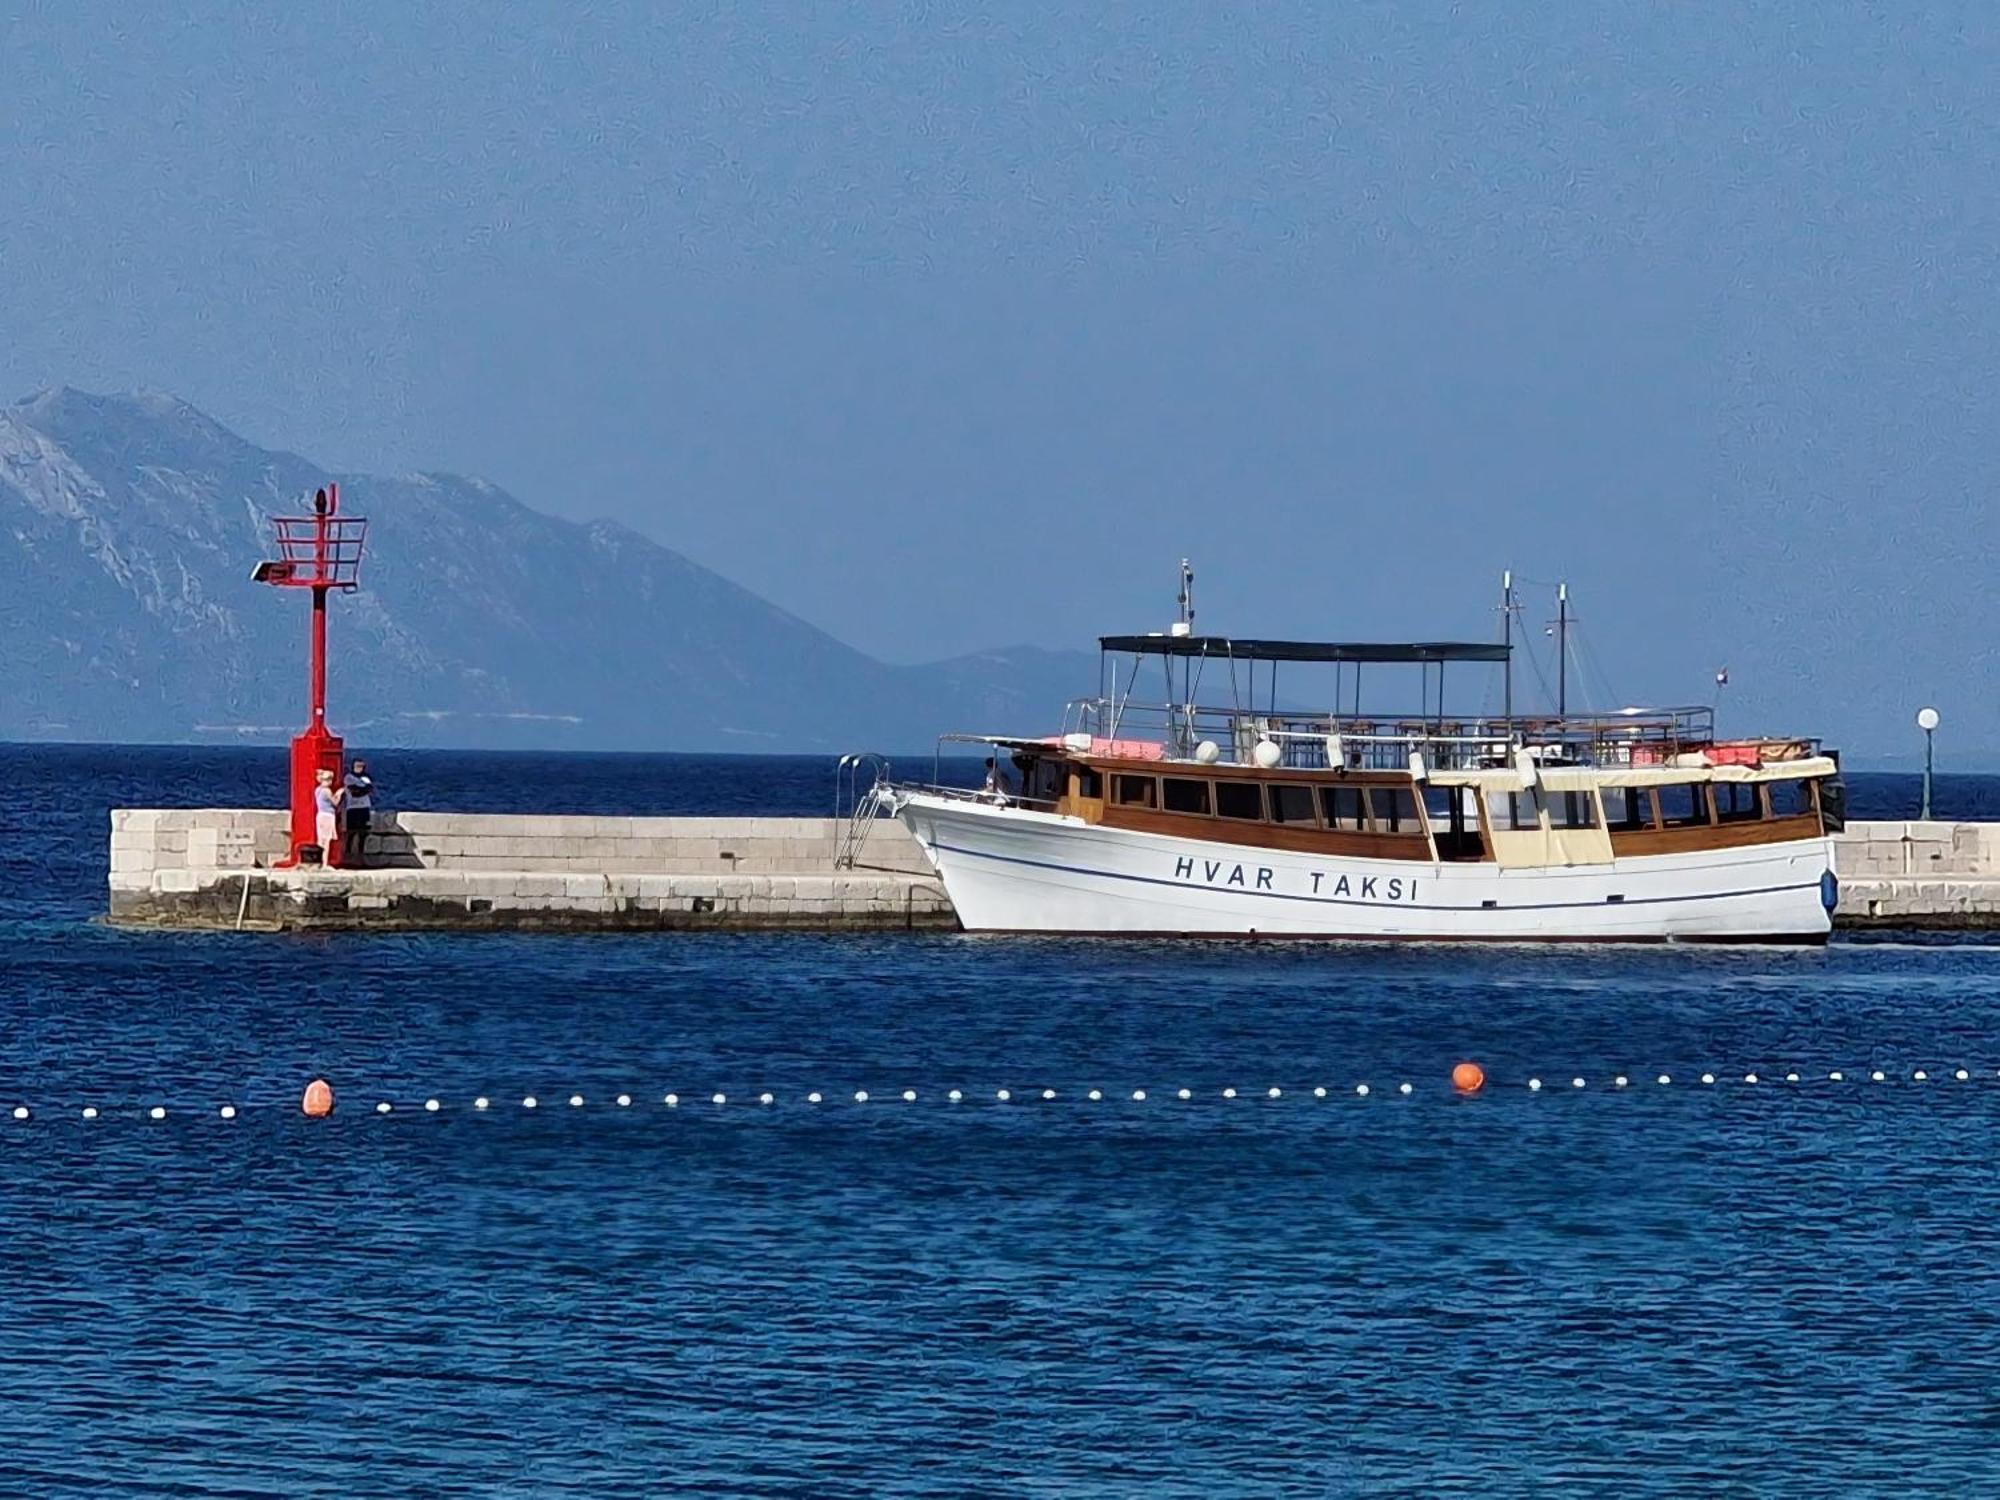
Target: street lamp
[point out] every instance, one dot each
(1927, 721)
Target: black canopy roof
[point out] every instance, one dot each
(1254, 650)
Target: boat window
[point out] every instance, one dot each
(1682, 805)
(1509, 812)
(1291, 803)
(1342, 807)
(1135, 791)
(1789, 799)
(1240, 799)
(1571, 809)
(1181, 795)
(1395, 810)
(1627, 808)
(1736, 802)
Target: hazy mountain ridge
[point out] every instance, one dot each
(129, 524)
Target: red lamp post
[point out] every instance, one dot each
(321, 552)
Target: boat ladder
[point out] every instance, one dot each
(866, 805)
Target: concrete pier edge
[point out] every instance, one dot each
(212, 868)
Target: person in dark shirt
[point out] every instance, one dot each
(360, 805)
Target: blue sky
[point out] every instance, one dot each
(949, 328)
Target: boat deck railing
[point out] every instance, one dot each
(1628, 737)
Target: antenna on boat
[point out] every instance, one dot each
(1507, 639)
(1185, 624)
(1562, 650)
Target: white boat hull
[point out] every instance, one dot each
(1008, 869)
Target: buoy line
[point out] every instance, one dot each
(1466, 1080)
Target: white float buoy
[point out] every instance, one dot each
(1708, 1078)
(1139, 1095)
(1920, 1076)
(765, 1099)
(1961, 1075)
(1275, 1094)
(672, 1101)
(1666, 1078)
(861, 1096)
(954, 1096)
(1405, 1089)
(1835, 1077)
(1185, 1094)
(228, 1111)
(909, 1096)
(576, 1101)
(718, 1099)
(1048, 1093)
(480, 1102)
(1002, 1095)
(1749, 1077)
(1877, 1075)
(431, 1106)
(90, 1111)
(813, 1098)
(624, 1101)
(382, 1108)
(1361, 1089)
(1094, 1096)
(530, 1102)
(1619, 1082)
(1534, 1085)
(1791, 1078)
(157, 1113)
(1576, 1083)
(20, 1111)
(1229, 1093)
(1319, 1092)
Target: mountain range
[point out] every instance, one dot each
(129, 525)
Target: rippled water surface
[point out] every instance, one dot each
(1769, 1288)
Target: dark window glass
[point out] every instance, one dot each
(1240, 799)
(1572, 810)
(1736, 802)
(1789, 799)
(1627, 808)
(1183, 796)
(1682, 806)
(1511, 811)
(1134, 791)
(1291, 803)
(1089, 783)
(1446, 803)
(1394, 809)
(1342, 807)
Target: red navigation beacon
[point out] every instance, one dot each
(320, 552)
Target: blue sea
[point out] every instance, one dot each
(1680, 1287)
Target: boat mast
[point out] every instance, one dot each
(1507, 640)
(1562, 650)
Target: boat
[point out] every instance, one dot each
(1252, 819)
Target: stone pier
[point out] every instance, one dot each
(213, 868)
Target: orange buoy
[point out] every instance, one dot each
(318, 1102)
(1468, 1078)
